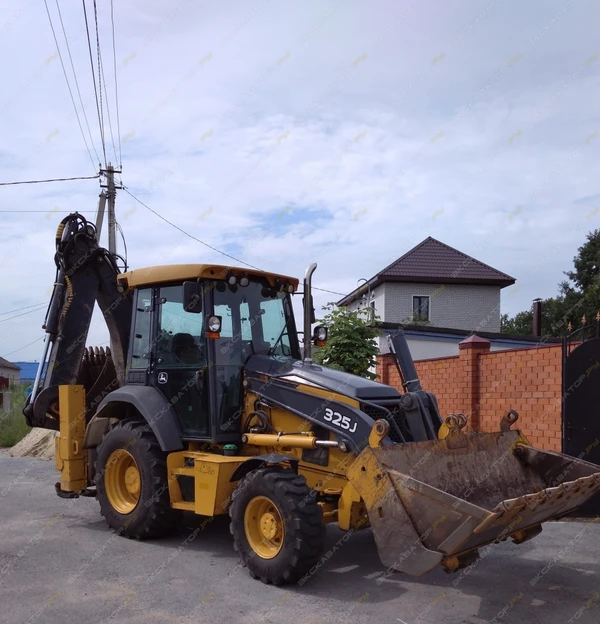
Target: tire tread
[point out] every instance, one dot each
(158, 518)
(306, 527)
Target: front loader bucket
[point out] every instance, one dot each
(439, 501)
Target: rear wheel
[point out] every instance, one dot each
(276, 525)
(131, 482)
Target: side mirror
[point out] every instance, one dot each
(192, 297)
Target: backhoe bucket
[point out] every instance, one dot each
(439, 501)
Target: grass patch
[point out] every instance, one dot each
(13, 427)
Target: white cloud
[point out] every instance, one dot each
(376, 125)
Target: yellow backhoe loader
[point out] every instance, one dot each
(203, 403)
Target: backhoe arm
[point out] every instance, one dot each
(86, 274)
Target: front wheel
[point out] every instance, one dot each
(276, 525)
(131, 482)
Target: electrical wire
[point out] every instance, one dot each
(112, 138)
(76, 81)
(24, 347)
(49, 180)
(206, 244)
(35, 305)
(118, 226)
(38, 309)
(329, 291)
(69, 85)
(49, 211)
(112, 19)
(187, 233)
(99, 68)
(100, 121)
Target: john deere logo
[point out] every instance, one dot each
(163, 378)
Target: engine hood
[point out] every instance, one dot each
(327, 378)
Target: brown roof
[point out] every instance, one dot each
(6, 364)
(435, 262)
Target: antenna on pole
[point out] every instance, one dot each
(110, 194)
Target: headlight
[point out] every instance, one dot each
(214, 324)
(320, 335)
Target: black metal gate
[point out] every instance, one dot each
(581, 404)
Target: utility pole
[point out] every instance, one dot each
(100, 213)
(109, 195)
(112, 219)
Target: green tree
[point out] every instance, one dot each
(587, 266)
(578, 296)
(554, 322)
(581, 292)
(520, 325)
(351, 344)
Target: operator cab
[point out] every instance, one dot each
(193, 329)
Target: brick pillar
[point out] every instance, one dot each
(382, 369)
(469, 351)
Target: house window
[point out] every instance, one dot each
(420, 309)
(372, 312)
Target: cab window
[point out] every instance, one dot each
(140, 350)
(180, 341)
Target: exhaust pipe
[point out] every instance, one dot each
(537, 317)
(308, 314)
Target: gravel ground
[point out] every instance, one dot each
(59, 563)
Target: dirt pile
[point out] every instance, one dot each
(37, 443)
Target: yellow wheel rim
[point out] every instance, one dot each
(264, 527)
(122, 481)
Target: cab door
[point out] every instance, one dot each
(180, 368)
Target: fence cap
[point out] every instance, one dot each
(474, 342)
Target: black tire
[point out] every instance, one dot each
(152, 516)
(303, 535)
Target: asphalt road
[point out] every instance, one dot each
(59, 563)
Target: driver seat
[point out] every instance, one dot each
(185, 349)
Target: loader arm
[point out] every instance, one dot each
(420, 406)
(86, 274)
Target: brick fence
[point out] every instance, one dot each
(483, 384)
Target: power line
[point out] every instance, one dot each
(330, 291)
(187, 233)
(87, 29)
(25, 347)
(68, 85)
(112, 138)
(38, 309)
(112, 19)
(50, 180)
(49, 211)
(206, 244)
(35, 305)
(76, 81)
(99, 67)
(118, 226)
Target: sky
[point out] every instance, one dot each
(285, 132)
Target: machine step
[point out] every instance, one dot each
(187, 471)
(186, 506)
